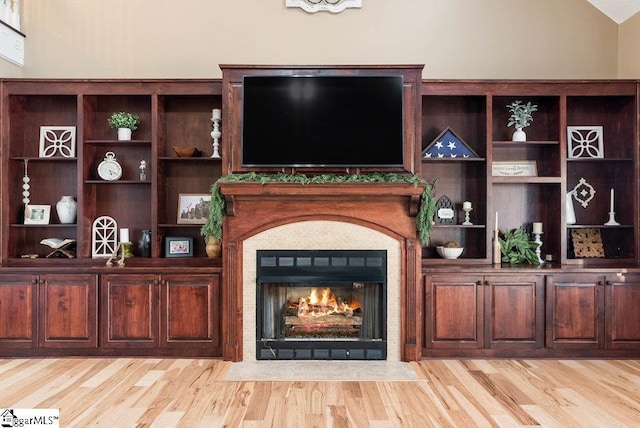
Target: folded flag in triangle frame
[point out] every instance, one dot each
(448, 145)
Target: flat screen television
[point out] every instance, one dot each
(322, 121)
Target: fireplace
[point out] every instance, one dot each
(289, 216)
(321, 304)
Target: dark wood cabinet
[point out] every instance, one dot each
(590, 311)
(477, 311)
(454, 312)
(69, 311)
(575, 308)
(190, 314)
(130, 310)
(161, 311)
(48, 311)
(622, 300)
(18, 311)
(515, 311)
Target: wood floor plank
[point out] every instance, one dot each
(166, 392)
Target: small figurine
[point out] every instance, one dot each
(143, 170)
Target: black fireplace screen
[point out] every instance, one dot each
(321, 304)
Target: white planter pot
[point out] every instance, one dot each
(124, 134)
(519, 135)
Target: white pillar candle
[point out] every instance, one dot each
(466, 205)
(216, 113)
(124, 235)
(611, 210)
(537, 227)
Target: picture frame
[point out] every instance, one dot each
(193, 208)
(514, 169)
(178, 246)
(37, 214)
(57, 140)
(585, 142)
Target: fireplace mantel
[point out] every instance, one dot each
(389, 208)
(317, 192)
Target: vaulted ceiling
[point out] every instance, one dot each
(617, 10)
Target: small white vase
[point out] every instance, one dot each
(519, 135)
(67, 210)
(124, 134)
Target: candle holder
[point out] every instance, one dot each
(538, 241)
(612, 220)
(612, 213)
(467, 210)
(215, 134)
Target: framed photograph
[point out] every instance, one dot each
(178, 246)
(514, 169)
(193, 208)
(37, 214)
(57, 140)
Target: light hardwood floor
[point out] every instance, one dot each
(139, 392)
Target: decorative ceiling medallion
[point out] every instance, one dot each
(333, 6)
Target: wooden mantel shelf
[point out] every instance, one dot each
(319, 191)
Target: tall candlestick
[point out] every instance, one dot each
(611, 210)
(612, 214)
(537, 228)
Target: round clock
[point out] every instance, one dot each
(109, 169)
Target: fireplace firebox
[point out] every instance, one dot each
(321, 304)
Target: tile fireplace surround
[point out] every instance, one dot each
(320, 235)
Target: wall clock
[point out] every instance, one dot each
(109, 169)
(333, 6)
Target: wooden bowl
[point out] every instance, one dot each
(187, 152)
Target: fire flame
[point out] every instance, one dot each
(323, 304)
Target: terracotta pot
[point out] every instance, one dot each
(213, 248)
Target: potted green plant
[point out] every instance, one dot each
(516, 247)
(125, 123)
(521, 117)
(212, 228)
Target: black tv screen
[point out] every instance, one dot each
(322, 121)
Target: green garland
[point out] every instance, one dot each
(424, 219)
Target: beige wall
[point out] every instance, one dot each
(9, 69)
(629, 52)
(189, 38)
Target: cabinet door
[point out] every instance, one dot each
(190, 311)
(17, 313)
(575, 304)
(129, 311)
(69, 311)
(454, 312)
(515, 311)
(622, 302)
